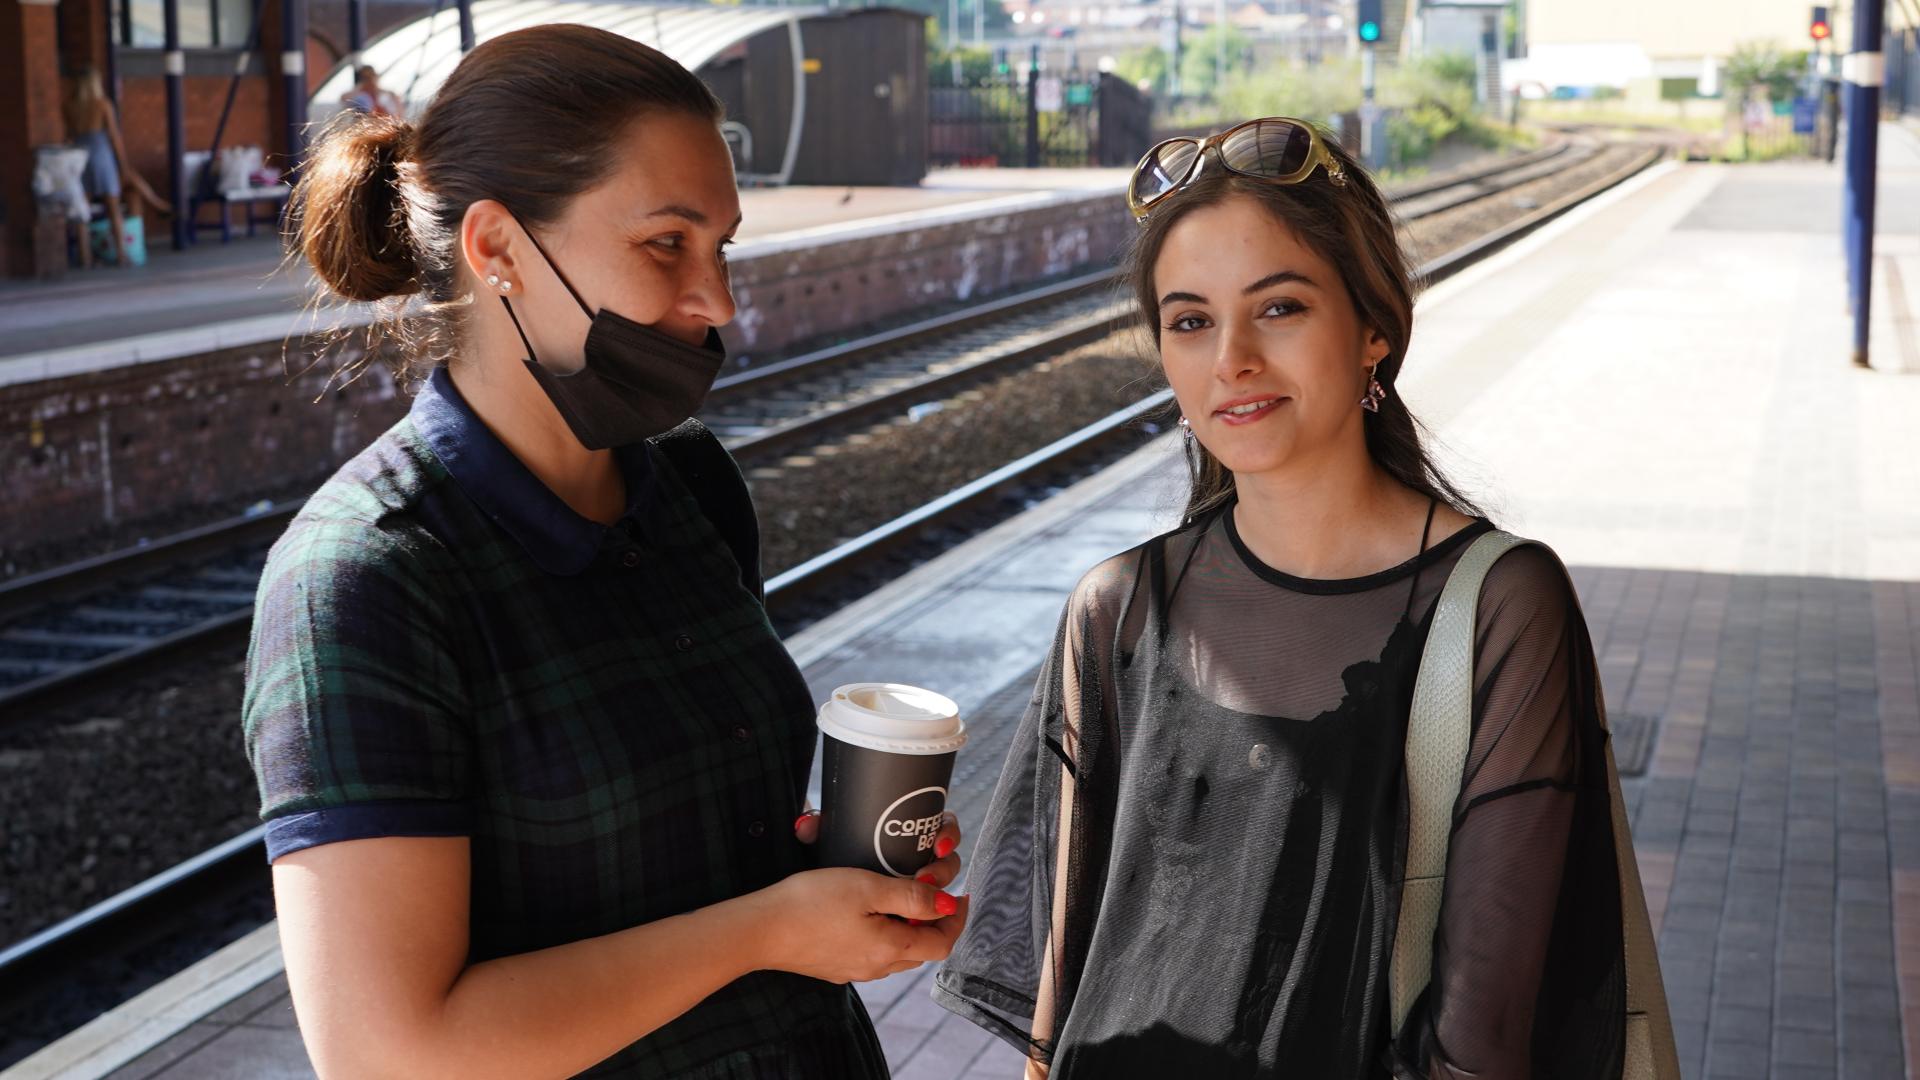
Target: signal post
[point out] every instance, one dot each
(1366, 27)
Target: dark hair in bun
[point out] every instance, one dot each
(529, 119)
(351, 219)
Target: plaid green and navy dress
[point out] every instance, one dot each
(442, 648)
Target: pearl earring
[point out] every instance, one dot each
(493, 279)
(506, 286)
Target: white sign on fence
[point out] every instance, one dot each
(1048, 95)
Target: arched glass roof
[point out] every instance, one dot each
(415, 58)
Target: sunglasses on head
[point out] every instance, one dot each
(1277, 149)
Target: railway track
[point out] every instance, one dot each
(205, 571)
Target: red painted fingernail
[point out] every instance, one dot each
(800, 820)
(926, 879)
(945, 905)
(944, 848)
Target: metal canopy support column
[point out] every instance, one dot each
(466, 25)
(176, 66)
(293, 71)
(796, 122)
(1864, 69)
(356, 27)
(796, 118)
(111, 71)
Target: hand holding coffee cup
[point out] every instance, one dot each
(885, 837)
(845, 925)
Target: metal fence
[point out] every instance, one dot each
(1034, 119)
(1805, 126)
(1757, 133)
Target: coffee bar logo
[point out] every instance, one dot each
(910, 826)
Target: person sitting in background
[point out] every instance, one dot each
(367, 96)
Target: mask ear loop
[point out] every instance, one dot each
(564, 283)
(519, 330)
(548, 259)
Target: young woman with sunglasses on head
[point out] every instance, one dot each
(527, 744)
(1192, 863)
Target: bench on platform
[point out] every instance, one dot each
(253, 198)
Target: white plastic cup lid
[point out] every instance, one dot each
(893, 717)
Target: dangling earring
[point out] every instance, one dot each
(1186, 429)
(1375, 394)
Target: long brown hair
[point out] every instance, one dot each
(529, 119)
(84, 100)
(1352, 228)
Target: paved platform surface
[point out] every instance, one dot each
(213, 282)
(1659, 386)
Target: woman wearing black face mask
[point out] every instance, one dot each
(527, 745)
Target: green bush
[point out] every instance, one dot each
(1433, 101)
(976, 64)
(1430, 98)
(1761, 67)
(1311, 93)
(1147, 64)
(1200, 58)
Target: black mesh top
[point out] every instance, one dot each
(1193, 856)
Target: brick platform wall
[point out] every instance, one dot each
(786, 297)
(105, 452)
(110, 449)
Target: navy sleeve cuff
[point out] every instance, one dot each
(365, 821)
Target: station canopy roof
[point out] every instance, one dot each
(413, 59)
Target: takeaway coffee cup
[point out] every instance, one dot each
(887, 758)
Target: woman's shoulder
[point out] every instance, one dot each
(1109, 582)
(1114, 581)
(1529, 583)
(366, 517)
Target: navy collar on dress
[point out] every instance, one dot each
(558, 540)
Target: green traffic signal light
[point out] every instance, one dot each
(1367, 19)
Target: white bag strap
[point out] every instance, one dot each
(1438, 731)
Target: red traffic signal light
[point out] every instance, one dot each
(1820, 29)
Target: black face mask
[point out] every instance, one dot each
(636, 382)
